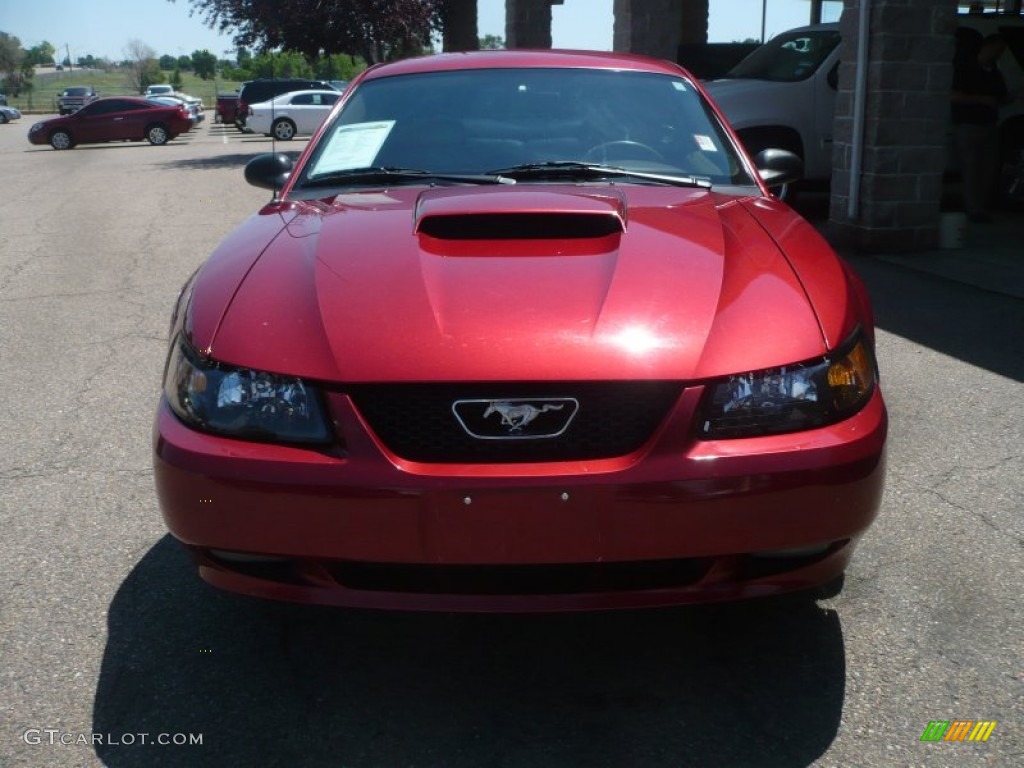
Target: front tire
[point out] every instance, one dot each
(3, 118)
(283, 129)
(61, 140)
(158, 135)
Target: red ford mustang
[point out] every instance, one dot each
(521, 331)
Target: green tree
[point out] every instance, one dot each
(167, 62)
(231, 72)
(284, 64)
(185, 63)
(10, 54)
(205, 64)
(377, 30)
(40, 55)
(339, 67)
(15, 72)
(176, 79)
(492, 43)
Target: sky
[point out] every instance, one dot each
(104, 27)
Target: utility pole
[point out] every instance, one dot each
(70, 63)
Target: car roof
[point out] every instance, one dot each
(523, 59)
(326, 91)
(136, 99)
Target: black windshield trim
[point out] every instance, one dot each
(576, 169)
(378, 174)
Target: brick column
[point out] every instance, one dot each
(693, 26)
(460, 26)
(909, 73)
(652, 27)
(528, 23)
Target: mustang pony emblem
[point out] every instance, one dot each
(518, 416)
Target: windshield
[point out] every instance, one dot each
(76, 92)
(789, 57)
(489, 120)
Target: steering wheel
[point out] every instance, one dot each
(624, 149)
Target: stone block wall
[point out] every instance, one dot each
(528, 23)
(650, 27)
(909, 72)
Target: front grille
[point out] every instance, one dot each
(416, 421)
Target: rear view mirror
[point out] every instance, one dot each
(779, 166)
(270, 170)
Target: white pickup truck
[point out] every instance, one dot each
(783, 95)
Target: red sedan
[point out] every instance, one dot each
(521, 331)
(114, 118)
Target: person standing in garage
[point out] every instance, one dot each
(978, 91)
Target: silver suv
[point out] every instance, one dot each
(783, 94)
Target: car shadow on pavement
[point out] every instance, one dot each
(980, 327)
(216, 162)
(272, 684)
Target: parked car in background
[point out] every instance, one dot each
(74, 98)
(114, 118)
(340, 85)
(256, 91)
(521, 330)
(8, 113)
(227, 107)
(194, 112)
(159, 90)
(784, 94)
(291, 114)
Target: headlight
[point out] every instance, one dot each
(790, 398)
(239, 402)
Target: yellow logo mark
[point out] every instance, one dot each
(958, 730)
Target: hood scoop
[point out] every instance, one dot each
(520, 226)
(526, 214)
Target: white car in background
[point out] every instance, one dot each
(783, 95)
(291, 114)
(158, 90)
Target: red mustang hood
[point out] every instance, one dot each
(527, 282)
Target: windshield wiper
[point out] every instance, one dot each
(579, 170)
(378, 174)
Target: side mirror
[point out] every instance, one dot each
(269, 170)
(779, 166)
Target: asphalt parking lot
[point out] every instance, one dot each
(106, 631)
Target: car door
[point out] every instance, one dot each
(826, 89)
(310, 109)
(133, 119)
(93, 122)
(103, 120)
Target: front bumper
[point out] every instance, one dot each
(679, 521)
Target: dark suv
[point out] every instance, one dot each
(76, 97)
(257, 91)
